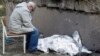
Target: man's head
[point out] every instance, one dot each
(31, 6)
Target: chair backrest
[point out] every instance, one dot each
(4, 21)
(4, 25)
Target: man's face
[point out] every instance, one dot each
(31, 8)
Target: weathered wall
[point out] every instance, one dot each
(92, 6)
(55, 21)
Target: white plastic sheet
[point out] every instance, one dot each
(62, 44)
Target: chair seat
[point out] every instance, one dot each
(13, 34)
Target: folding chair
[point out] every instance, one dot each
(5, 35)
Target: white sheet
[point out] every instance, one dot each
(62, 44)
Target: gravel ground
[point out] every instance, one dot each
(16, 49)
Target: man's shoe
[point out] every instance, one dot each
(35, 52)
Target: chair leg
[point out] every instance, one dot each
(24, 44)
(3, 43)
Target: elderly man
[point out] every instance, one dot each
(20, 22)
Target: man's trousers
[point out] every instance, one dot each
(32, 40)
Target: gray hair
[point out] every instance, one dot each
(33, 4)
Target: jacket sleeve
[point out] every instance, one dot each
(26, 21)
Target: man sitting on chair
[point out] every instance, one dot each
(20, 22)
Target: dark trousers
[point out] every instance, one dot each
(32, 40)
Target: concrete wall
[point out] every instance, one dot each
(53, 21)
(90, 6)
